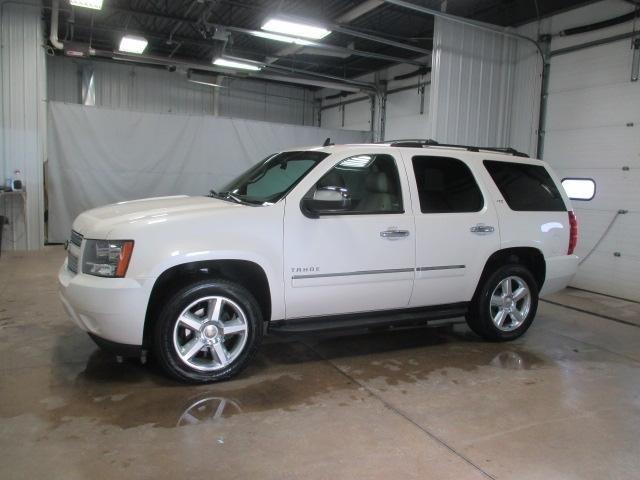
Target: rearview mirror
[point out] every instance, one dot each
(326, 201)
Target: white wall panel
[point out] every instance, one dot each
(593, 130)
(22, 143)
(351, 116)
(404, 118)
(147, 89)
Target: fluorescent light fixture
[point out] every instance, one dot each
(208, 84)
(283, 38)
(133, 44)
(95, 4)
(295, 29)
(224, 62)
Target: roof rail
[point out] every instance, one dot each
(423, 143)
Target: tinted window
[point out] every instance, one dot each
(446, 185)
(370, 182)
(526, 187)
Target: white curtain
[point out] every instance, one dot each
(99, 156)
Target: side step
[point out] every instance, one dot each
(415, 316)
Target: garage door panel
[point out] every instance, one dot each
(615, 189)
(602, 65)
(623, 237)
(606, 105)
(611, 275)
(593, 130)
(600, 147)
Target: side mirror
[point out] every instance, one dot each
(326, 201)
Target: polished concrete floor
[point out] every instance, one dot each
(563, 402)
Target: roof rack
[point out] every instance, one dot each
(423, 143)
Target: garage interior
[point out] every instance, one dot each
(85, 123)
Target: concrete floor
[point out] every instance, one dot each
(560, 403)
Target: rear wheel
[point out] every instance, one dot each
(505, 305)
(208, 331)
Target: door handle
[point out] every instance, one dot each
(481, 229)
(394, 233)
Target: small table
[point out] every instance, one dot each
(8, 197)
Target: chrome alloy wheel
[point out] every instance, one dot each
(210, 333)
(510, 303)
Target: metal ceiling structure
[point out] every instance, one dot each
(366, 35)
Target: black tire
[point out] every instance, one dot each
(479, 317)
(163, 333)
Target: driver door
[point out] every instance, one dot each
(353, 249)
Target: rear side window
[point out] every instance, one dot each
(526, 188)
(446, 185)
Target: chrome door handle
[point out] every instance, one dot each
(481, 228)
(394, 233)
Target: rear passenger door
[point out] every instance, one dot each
(456, 228)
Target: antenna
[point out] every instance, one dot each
(327, 142)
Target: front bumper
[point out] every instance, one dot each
(112, 309)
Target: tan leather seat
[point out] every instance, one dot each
(379, 197)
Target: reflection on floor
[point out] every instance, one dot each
(562, 402)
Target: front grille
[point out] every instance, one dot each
(72, 262)
(72, 255)
(76, 238)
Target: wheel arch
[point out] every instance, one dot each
(244, 272)
(529, 257)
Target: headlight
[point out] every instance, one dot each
(106, 258)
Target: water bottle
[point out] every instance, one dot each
(16, 183)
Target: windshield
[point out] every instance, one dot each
(272, 178)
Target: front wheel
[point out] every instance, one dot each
(208, 331)
(505, 305)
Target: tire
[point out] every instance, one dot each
(517, 313)
(221, 317)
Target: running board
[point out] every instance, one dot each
(433, 316)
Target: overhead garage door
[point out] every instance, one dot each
(593, 131)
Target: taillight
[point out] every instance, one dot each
(573, 232)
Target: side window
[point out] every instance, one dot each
(446, 185)
(368, 184)
(526, 187)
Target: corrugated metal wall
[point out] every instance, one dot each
(525, 100)
(149, 89)
(471, 85)
(22, 94)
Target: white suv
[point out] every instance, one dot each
(332, 237)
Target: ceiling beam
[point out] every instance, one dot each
(334, 48)
(374, 38)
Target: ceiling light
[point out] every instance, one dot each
(133, 44)
(224, 62)
(208, 84)
(95, 4)
(283, 38)
(295, 29)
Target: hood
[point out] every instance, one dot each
(98, 222)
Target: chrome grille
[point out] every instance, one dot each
(75, 241)
(76, 238)
(72, 262)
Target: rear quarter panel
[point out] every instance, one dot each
(546, 231)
